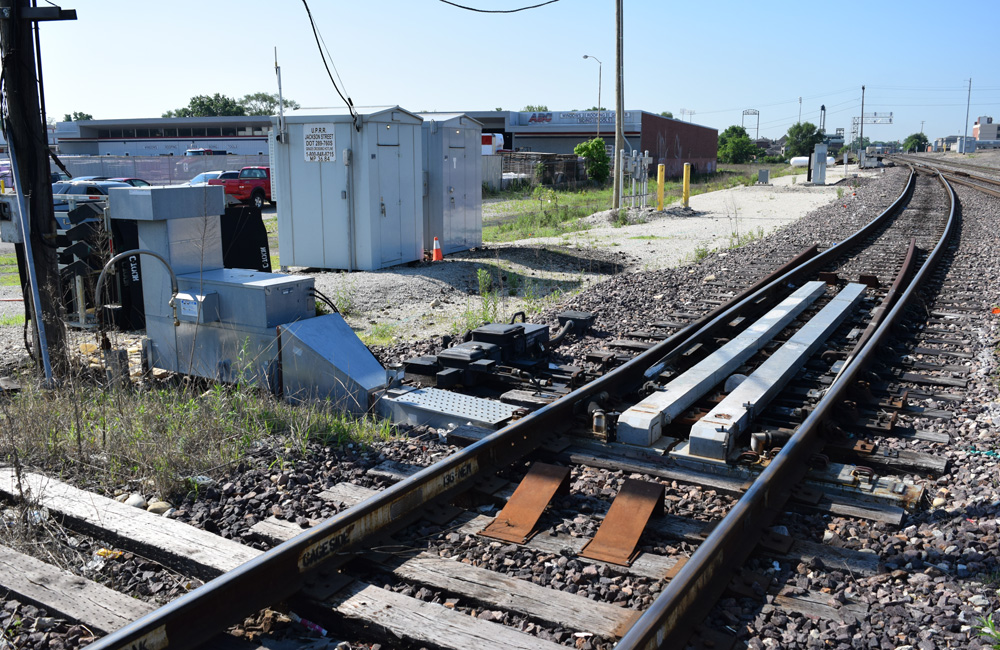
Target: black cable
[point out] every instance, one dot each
(347, 100)
(498, 11)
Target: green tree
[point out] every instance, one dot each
(205, 106)
(265, 104)
(738, 150)
(595, 108)
(535, 108)
(667, 114)
(915, 142)
(596, 156)
(76, 116)
(802, 137)
(732, 132)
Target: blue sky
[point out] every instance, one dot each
(139, 58)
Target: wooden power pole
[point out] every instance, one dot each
(619, 108)
(28, 143)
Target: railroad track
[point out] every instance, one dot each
(330, 572)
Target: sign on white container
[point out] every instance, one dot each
(320, 144)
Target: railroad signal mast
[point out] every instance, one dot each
(868, 118)
(752, 111)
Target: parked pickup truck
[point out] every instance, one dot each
(252, 186)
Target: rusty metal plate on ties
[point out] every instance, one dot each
(871, 281)
(617, 540)
(675, 569)
(516, 522)
(864, 447)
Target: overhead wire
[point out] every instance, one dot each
(319, 46)
(498, 11)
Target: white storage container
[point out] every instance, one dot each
(348, 198)
(453, 198)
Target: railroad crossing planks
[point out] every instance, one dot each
(67, 595)
(184, 547)
(421, 622)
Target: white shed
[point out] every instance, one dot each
(349, 196)
(453, 199)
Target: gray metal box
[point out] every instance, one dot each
(349, 199)
(453, 198)
(157, 203)
(254, 299)
(197, 308)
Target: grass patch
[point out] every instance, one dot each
(383, 334)
(160, 435)
(648, 237)
(9, 279)
(11, 320)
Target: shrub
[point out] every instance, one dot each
(596, 156)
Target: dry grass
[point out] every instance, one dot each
(160, 435)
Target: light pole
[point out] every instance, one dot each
(600, 67)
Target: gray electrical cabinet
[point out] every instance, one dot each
(221, 324)
(453, 196)
(349, 196)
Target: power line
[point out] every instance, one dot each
(319, 46)
(498, 11)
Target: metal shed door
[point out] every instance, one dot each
(390, 218)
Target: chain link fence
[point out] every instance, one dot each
(157, 170)
(527, 169)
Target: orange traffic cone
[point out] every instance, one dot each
(436, 256)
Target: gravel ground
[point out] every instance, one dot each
(942, 567)
(423, 300)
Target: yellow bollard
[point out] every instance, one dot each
(687, 185)
(661, 172)
(2, 188)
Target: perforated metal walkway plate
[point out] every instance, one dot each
(441, 408)
(617, 539)
(516, 522)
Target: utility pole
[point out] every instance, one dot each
(619, 109)
(27, 139)
(800, 110)
(861, 138)
(965, 135)
(922, 126)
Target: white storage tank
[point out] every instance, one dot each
(453, 198)
(348, 198)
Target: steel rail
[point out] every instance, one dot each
(279, 573)
(687, 599)
(974, 185)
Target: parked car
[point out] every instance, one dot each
(252, 186)
(85, 191)
(134, 182)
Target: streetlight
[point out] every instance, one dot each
(600, 67)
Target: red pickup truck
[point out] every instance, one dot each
(253, 186)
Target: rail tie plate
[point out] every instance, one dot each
(617, 540)
(516, 522)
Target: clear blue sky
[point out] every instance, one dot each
(139, 58)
